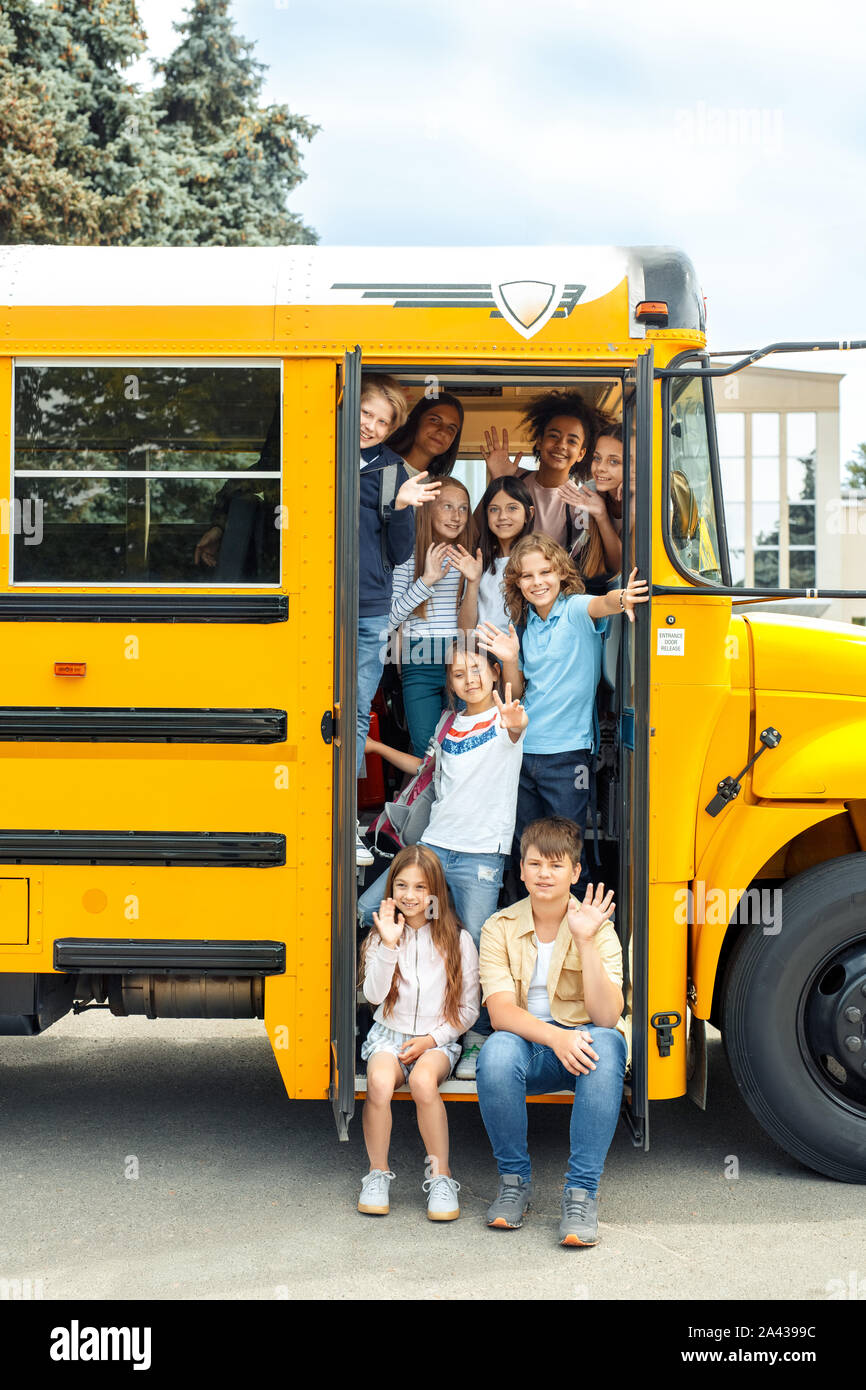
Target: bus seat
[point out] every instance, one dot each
(237, 553)
(685, 519)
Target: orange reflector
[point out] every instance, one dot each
(652, 311)
(70, 668)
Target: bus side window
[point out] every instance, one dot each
(124, 466)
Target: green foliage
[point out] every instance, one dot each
(856, 477)
(41, 200)
(87, 157)
(236, 162)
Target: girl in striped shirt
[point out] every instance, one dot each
(428, 589)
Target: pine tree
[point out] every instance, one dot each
(856, 479)
(40, 201)
(235, 161)
(99, 40)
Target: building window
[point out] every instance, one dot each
(800, 450)
(767, 461)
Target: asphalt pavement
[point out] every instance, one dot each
(162, 1160)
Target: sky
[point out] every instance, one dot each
(736, 132)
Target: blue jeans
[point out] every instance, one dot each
(554, 784)
(510, 1068)
(372, 637)
(474, 881)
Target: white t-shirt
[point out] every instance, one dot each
(537, 998)
(476, 786)
(491, 603)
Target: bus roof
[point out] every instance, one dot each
(488, 293)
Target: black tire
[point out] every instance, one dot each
(787, 1009)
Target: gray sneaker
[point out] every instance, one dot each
(579, 1224)
(512, 1200)
(373, 1200)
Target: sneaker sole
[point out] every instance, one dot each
(443, 1215)
(576, 1240)
(373, 1211)
(499, 1223)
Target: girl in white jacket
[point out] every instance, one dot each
(421, 968)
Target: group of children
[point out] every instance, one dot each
(501, 656)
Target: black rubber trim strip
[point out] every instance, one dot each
(108, 956)
(144, 608)
(170, 848)
(40, 724)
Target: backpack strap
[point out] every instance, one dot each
(387, 492)
(569, 529)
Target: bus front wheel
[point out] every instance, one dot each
(794, 1019)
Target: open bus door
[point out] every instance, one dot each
(633, 702)
(343, 920)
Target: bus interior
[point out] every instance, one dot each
(500, 401)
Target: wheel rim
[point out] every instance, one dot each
(831, 1025)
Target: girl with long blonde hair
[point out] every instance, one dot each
(419, 966)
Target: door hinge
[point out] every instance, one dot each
(330, 725)
(664, 1024)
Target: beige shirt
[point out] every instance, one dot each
(508, 954)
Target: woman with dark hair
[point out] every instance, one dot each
(430, 439)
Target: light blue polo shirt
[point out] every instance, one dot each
(561, 665)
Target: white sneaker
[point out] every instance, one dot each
(442, 1203)
(373, 1200)
(363, 857)
(472, 1045)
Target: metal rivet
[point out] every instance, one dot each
(853, 1044)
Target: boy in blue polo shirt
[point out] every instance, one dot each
(560, 663)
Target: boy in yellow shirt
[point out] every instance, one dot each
(551, 977)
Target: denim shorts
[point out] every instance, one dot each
(382, 1039)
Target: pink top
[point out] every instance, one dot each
(421, 996)
(551, 511)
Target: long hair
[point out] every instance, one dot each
(403, 438)
(424, 538)
(542, 409)
(515, 487)
(445, 927)
(570, 580)
(590, 558)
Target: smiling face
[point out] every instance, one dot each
(472, 679)
(563, 444)
(506, 518)
(449, 512)
(607, 464)
(411, 894)
(547, 880)
(539, 581)
(437, 430)
(377, 419)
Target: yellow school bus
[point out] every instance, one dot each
(177, 729)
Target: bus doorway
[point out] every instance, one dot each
(498, 396)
